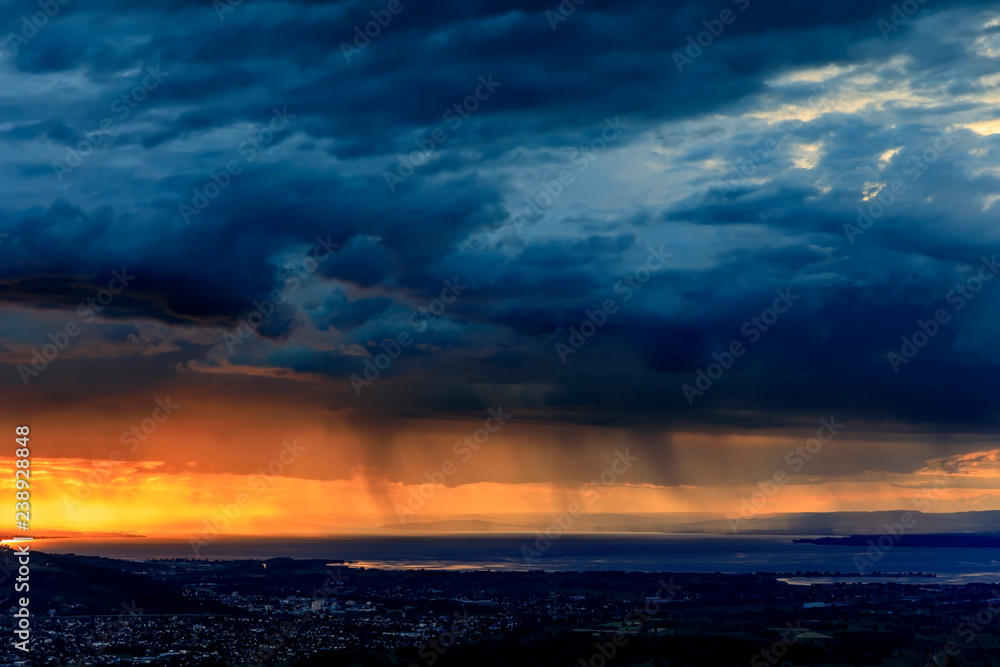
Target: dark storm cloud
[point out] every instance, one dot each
(323, 176)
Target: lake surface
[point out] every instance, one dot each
(645, 552)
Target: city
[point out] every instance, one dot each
(308, 612)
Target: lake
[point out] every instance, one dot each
(648, 552)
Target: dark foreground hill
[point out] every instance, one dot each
(73, 585)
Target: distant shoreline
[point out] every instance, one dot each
(944, 540)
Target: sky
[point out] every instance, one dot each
(346, 264)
